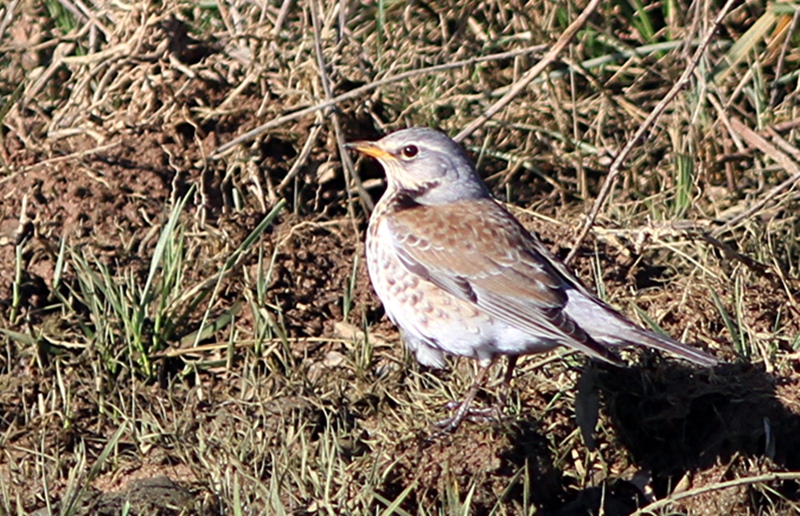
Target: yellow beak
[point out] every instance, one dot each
(370, 149)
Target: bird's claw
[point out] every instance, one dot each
(487, 414)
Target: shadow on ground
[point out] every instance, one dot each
(667, 427)
(676, 420)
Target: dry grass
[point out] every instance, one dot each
(186, 322)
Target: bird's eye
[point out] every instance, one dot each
(409, 151)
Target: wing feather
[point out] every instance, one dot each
(482, 255)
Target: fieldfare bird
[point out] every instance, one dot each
(459, 274)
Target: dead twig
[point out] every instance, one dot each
(347, 162)
(780, 157)
(773, 96)
(685, 229)
(357, 92)
(769, 477)
(616, 166)
(305, 152)
(531, 74)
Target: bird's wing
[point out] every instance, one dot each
(478, 252)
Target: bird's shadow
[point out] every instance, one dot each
(672, 419)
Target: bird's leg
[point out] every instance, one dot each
(465, 409)
(450, 424)
(494, 412)
(505, 387)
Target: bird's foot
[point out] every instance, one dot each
(488, 414)
(476, 414)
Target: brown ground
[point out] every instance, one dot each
(287, 406)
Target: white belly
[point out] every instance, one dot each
(430, 317)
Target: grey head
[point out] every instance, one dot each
(426, 165)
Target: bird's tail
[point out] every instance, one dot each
(607, 326)
(642, 337)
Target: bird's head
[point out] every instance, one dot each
(426, 165)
